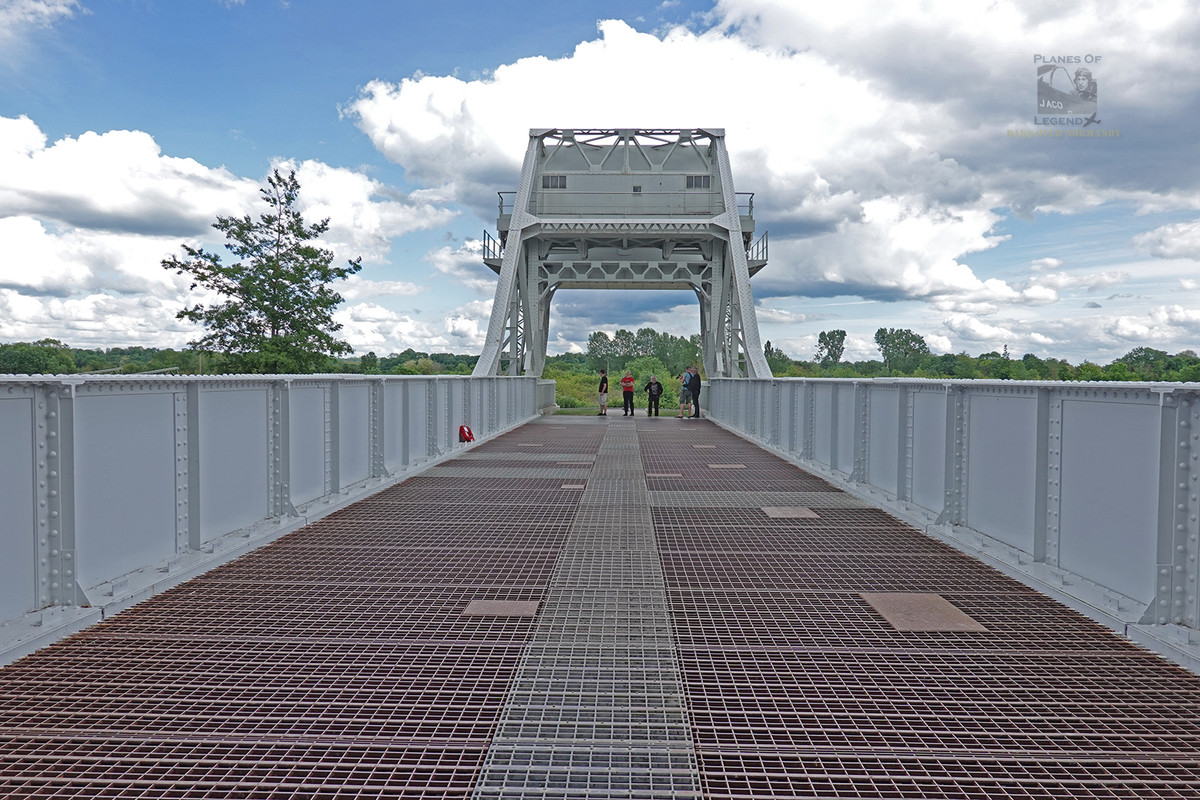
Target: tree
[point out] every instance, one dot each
(1145, 363)
(777, 360)
(624, 344)
(645, 342)
(599, 350)
(44, 357)
(830, 346)
(902, 350)
(276, 314)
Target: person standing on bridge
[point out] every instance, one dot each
(655, 390)
(603, 394)
(685, 395)
(694, 388)
(627, 384)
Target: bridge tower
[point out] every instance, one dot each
(625, 209)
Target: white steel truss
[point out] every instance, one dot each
(625, 209)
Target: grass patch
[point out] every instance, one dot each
(578, 412)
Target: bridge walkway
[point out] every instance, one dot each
(601, 607)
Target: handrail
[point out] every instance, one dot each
(507, 200)
(491, 247)
(758, 250)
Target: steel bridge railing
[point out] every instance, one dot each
(1088, 491)
(115, 487)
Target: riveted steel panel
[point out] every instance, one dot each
(884, 438)
(929, 450)
(233, 459)
(355, 441)
(124, 483)
(306, 436)
(1001, 484)
(18, 523)
(1109, 477)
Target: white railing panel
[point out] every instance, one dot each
(354, 446)
(397, 429)
(307, 440)
(1110, 494)
(1001, 479)
(234, 458)
(125, 503)
(18, 523)
(884, 441)
(929, 448)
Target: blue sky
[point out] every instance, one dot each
(881, 140)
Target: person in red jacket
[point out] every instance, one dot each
(627, 384)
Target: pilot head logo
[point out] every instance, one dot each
(1060, 93)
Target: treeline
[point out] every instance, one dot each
(52, 357)
(903, 354)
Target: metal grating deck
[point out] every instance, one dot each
(687, 644)
(797, 687)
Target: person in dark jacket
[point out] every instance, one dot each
(694, 388)
(655, 390)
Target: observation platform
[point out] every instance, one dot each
(601, 607)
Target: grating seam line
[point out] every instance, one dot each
(599, 675)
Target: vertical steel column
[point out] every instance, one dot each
(453, 406)
(795, 416)
(833, 425)
(1178, 508)
(1042, 470)
(473, 405)
(1050, 527)
(810, 421)
(750, 401)
(509, 392)
(187, 472)
(954, 512)
(861, 472)
(405, 417)
(431, 413)
(904, 444)
(377, 422)
(493, 393)
(333, 435)
(775, 401)
(280, 461)
(54, 452)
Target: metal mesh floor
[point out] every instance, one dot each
(687, 644)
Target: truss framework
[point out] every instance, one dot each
(625, 209)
